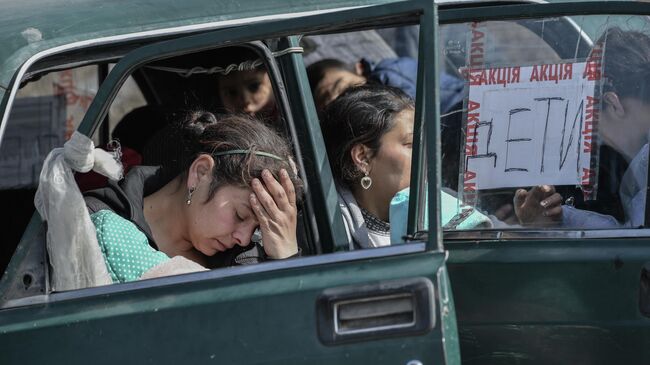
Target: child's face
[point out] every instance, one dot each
(333, 84)
(247, 92)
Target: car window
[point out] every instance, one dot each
(228, 81)
(140, 127)
(548, 131)
(45, 113)
(376, 69)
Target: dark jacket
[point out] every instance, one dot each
(402, 73)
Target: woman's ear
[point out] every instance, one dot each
(200, 170)
(613, 102)
(360, 154)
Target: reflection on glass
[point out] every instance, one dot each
(550, 129)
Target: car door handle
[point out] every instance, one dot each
(366, 312)
(375, 313)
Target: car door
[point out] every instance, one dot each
(380, 306)
(532, 294)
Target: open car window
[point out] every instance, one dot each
(548, 130)
(46, 112)
(185, 77)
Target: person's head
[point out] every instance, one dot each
(245, 86)
(624, 121)
(368, 131)
(221, 157)
(247, 92)
(329, 78)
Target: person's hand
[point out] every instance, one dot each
(274, 205)
(541, 205)
(506, 214)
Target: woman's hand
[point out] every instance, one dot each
(275, 209)
(540, 205)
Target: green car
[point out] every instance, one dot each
(513, 101)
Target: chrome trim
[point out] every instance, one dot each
(371, 299)
(143, 35)
(510, 235)
(444, 298)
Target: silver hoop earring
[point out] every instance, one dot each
(366, 182)
(190, 191)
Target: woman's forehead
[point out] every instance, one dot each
(234, 193)
(404, 121)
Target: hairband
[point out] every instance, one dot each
(245, 152)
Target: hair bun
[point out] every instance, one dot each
(196, 122)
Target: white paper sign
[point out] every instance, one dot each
(530, 125)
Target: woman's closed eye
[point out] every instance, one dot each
(244, 215)
(408, 141)
(239, 217)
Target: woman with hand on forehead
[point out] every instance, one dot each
(233, 175)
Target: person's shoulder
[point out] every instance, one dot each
(110, 227)
(106, 219)
(125, 248)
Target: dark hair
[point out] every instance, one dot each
(204, 133)
(362, 114)
(626, 63)
(316, 71)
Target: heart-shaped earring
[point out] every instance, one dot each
(366, 182)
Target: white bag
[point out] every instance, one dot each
(75, 256)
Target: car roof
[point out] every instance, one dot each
(28, 28)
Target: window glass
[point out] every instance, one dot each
(549, 128)
(128, 98)
(45, 113)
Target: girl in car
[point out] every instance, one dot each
(247, 87)
(233, 175)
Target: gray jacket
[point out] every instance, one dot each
(358, 235)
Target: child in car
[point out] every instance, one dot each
(244, 86)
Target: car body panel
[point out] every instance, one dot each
(264, 317)
(579, 298)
